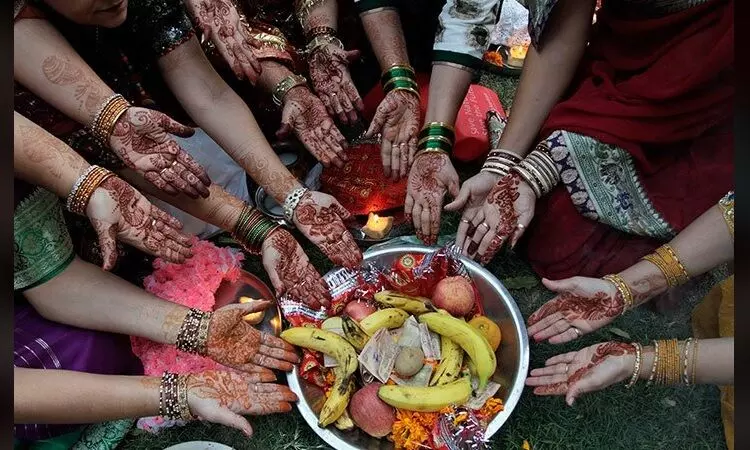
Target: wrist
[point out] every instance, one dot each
(647, 362)
(645, 280)
(192, 335)
(296, 93)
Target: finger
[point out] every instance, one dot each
(168, 219)
(463, 228)
(171, 177)
(174, 127)
(553, 389)
(408, 207)
(170, 255)
(272, 391)
(328, 104)
(284, 131)
(352, 55)
(488, 246)
(385, 155)
(556, 328)
(566, 336)
(155, 179)
(460, 200)
(545, 321)
(377, 122)
(546, 379)
(396, 151)
(279, 353)
(333, 151)
(226, 417)
(348, 108)
(342, 212)
(271, 363)
(181, 251)
(550, 370)
(453, 188)
(256, 370)
(276, 282)
(404, 160)
(412, 149)
(575, 390)
(352, 250)
(517, 233)
(272, 341)
(196, 169)
(425, 223)
(562, 358)
(416, 214)
(107, 234)
(434, 221)
(337, 109)
(560, 286)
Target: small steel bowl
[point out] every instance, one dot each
(512, 356)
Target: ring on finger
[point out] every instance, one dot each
(567, 366)
(465, 221)
(520, 226)
(153, 223)
(485, 224)
(578, 332)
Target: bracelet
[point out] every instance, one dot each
(413, 90)
(285, 85)
(726, 204)
(430, 150)
(193, 334)
(84, 187)
(435, 138)
(397, 70)
(320, 31)
(623, 289)
(637, 367)
(252, 228)
(529, 179)
(322, 40)
(667, 363)
(173, 403)
(107, 116)
(669, 264)
(685, 378)
(291, 202)
(694, 361)
(304, 7)
(652, 375)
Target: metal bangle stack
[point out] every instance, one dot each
(252, 228)
(399, 77)
(173, 393)
(286, 85)
(193, 334)
(107, 116)
(538, 170)
(499, 162)
(436, 137)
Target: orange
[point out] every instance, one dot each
(489, 330)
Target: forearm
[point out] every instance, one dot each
(383, 29)
(547, 73)
(272, 73)
(61, 396)
(221, 113)
(448, 87)
(220, 209)
(86, 297)
(46, 64)
(701, 246)
(43, 160)
(714, 361)
(324, 14)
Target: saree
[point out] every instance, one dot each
(643, 141)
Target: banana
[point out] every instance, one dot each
(412, 305)
(450, 365)
(342, 351)
(332, 323)
(426, 399)
(385, 318)
(473, 343)
(354, 333)
(344, 422)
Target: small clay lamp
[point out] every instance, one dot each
(377, 227)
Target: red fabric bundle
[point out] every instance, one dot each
(662, 89)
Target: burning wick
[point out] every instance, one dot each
(377, 227)
(517, 54)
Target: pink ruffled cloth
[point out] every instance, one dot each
(192, 284)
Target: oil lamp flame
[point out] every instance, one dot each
(519, 51)
(377, 227)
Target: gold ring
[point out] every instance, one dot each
(153, 223)
(485, 224)
(465, 221)
(567, 366)
(578, 332)
(520, 226)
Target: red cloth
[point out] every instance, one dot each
(662, 89)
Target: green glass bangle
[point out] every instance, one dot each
(437, 131)
(399, 83)
(436, 144)
(397, 72)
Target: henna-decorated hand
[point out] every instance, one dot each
(431, 176)
(305, 114)
(332, 82)
(471, 197)
(502, 217)
(141, 139)
(220, 21)
(592, 369)
(290, 270)
(237, 344)
(585, 304)
(320, 218)
(397, 120)
(224, 397)
(119, 212)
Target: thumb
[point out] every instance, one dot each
(352, 55)
(377, 122)
(576, 389)
(239, 310)
(276, 282)
(343, 213)
(559, 286)
(174, 127)
(107, 235)
(453, 188)
(459, 200)
(284, 131)
(226, 417)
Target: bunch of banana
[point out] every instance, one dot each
(469, 338)
(450, 365)
(383, 318)
(427, 398)
(336, 346)
(412, 305)
(354, 333)
(344, 422)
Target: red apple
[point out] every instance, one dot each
(370, 413)
(455, 295)
(358, 310)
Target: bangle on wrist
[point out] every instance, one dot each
(107, 116)
(291, 202)
(726, 204)
(320, 31)
(399, 77)
(285, 85)
(252, 228)
(669, 264)
(499, 162)
(637, 366)
(623, 289)
(84, 187)
(173, 392)
(193, 334)
(321, 41)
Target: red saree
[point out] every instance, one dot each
(661, 89)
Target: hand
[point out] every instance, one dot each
(305, 114)
(505, 213)
(220, 21)
(237, 344)
(224, 397)
(320, 218)
(330, 78)
(118, 212)
(429, 178)
(470, 199)
(397, 120)
(585, 304)
(290, 270)
(591, 369)
(141, 139)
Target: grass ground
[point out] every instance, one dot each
(640, 418)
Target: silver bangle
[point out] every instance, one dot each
(77, 185)
(291, 202)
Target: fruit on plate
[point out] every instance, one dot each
(409, 361)
(370, 413)
(253, 318)
(489, 330)
(358, 310)
(470, 340)
(344, 422)
(342, 351)
(450, 365)
(410, 304)
(427, 398)
(332, 323)
(455, 295)
(354, 333)
(385, 318)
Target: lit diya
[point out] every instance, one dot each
(516, 55)
(377, 227)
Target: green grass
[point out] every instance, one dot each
(640, 418)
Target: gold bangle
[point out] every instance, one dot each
(726, 204)
(79, 197)
(412, 90)
(672, 264)
(636, 367)
(623, 289)
(406, 67)
(694, 361)
(429, 150)
(659, 262)
(286, 85)
(105, 120)
(439, 124)
(652, 375)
